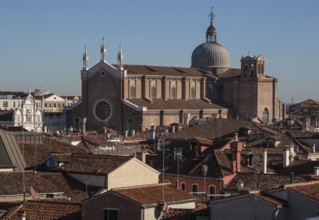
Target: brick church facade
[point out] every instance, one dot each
(138, 97)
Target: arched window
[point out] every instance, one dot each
(193, 90)
(212, 190)
(194, 188)
(153, 90)
(183, 186)
(132, 89)
(173, 90)
(252, 69)
(265, 116)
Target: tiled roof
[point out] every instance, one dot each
(232, 72)
(11, 183)
(39, 210)
(224, 164)
(310, 190)
(61, 157)
(153, 194)
(271, 199)
(187, 214)
(190, 165)
(259, 181)
(71, 187)
(34, 154)
(212, 129)
(164, 71)
(177, 104)
(93, 164)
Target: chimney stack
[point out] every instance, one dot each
(22, 215)
(236, 148)
(84, 125)
(264, 160)
(316, 171)
(285, 157)
(314, 148)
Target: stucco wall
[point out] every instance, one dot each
(132, 173)
(93, 209)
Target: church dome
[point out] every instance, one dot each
(211, 55)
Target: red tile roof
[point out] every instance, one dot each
(153, 194)
(177, 104)
(93, 164)
(48, 210)
(310, 189)
(164, 70)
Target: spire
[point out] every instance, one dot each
(211, 34)
(85, 59)
(120, 58)
(211, 15)
(103, 50)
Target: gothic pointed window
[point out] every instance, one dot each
(173, 90)
(132, 89)
(153, 90)
(265, 116)
(193, 90)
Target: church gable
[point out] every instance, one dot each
(103, 69)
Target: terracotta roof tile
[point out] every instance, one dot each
(259, 181)
(153, 194)
(39, 210)
(177, 104)
(310, 190)
(93, 164)
(163, 70)
(42, 150)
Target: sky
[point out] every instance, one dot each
(42, 41)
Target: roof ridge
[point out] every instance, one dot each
(139, 186)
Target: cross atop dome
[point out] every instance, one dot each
(211, 15)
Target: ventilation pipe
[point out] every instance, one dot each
(314, 148)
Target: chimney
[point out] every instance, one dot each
(236, 148)
(316, 171)
(236, 137)
(22, 215)
(264, 161)
(84, 125)
(233, 167)
(314, 148)
(285, 157)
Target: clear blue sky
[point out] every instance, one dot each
(42, 42)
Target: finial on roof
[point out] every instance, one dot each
(211, 15)
(120, 58)
(103, 50)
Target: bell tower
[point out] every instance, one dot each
(253, 67)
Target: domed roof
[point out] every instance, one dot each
(210, 55)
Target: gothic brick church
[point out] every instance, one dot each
(127, 97)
